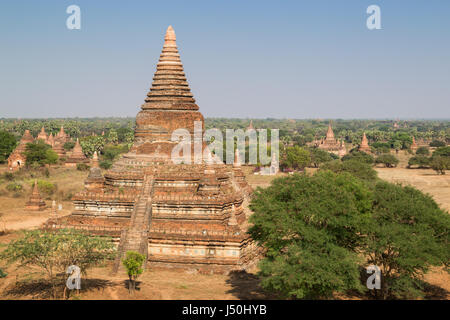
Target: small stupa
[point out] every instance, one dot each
(43, 135)
(35, 203)
(364, 146)
(95, 180)
(414, 144)
(77, 156)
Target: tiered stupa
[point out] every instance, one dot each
(42, 135)
(364, 146)
(330, 144)
(35, 203)
(17, 158)
(189, 216)
(77, 156)
(59, 140)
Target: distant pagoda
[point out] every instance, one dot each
(331, 144)
(77, 156)
(414, 145)
(364, 146)
(188, 216)
(35, 203)
(42, 135)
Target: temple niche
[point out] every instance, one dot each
(331, 144)
(188, 216)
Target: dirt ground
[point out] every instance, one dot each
(171, 284)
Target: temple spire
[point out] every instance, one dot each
(170, 89)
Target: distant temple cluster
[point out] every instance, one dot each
(17, 159)
(331, 144)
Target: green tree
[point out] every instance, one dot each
(409, 233)
(359, 156)
(440, 164)
(113, 138)
(40, 153)
(133, 265)
(54, 252)
(296, 158)
(437, 143)
(91, 144)
(420, 161)
(7, 144)
(355, 167)
(311, 227)
(388, 160)
(423, 151)
(319, 156)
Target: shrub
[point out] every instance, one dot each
(82, 167)
(14, 187)
(388, 160)
(442, 152)
(40, 153)
(423, 151)
(437, 143)
(69, 145)
(440, 164)
(8, 176)
(296, 158)
(355, 167)
(53, 252)
(359, 156)
(105, 164)
(133, 264)
(47, 188)
(420, 160)
(2, 274)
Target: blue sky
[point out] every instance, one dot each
(258, 59)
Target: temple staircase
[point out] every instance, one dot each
(135, 238)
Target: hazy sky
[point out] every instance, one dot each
(282, 59)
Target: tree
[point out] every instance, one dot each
(359, 156)
(440, 164)
(69, 145)
(423, 151)
(311, 227)
(54, 252)
(420, 160)
(91, 144)
(7, 144)
(133, 264)
(437, 143)
(355, 167)
(388, 160)
(297, 158)
(40, 153)
(409, 233)
(113, 138)
(319, 156)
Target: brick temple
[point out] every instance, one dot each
(331, 144)
(188, 216)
